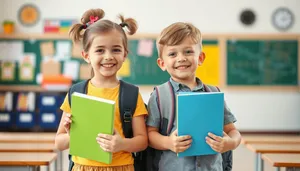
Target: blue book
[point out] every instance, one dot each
(197, 114)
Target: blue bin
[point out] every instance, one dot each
(49, 102)
(49, 119)
(6, 119)
(25, 119)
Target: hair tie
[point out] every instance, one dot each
(123, 24)
(93, 19)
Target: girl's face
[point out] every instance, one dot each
(106, 54)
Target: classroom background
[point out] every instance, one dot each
(252, 54)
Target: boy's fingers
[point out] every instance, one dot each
(185, 143)
(216, 138)
(183, 138)
(182, 149)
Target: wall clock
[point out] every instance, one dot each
(28, 15)
(282, 19)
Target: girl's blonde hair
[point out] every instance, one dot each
(85, 31)
(176, 33)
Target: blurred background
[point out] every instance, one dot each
(252, 54)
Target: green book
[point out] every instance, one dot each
(90, 116)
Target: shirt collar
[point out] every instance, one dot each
(178, 86)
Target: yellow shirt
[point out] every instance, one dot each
(118, 158)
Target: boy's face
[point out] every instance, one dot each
(181, 61)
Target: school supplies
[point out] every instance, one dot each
(90, 116)
(199, 113)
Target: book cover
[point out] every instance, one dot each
(90, 116)
(197, 114)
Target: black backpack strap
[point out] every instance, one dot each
(128, 95)
(80, 87)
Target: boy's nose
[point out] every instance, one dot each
(181, 58)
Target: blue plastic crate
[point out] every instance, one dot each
(49, 102)
(6, 119)
(25, 119)
(49, 119)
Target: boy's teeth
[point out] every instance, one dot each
(181, 67)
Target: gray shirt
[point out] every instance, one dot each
(169, 159)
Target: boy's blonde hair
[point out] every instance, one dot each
(176, 33)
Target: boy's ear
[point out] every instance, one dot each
(201, 58)
(85, 56)
(161, 64)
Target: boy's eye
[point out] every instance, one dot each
(189, 52)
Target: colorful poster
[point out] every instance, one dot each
(209, 71)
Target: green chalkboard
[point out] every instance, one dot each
(144, 70)
(262, 62)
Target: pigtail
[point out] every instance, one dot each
(75, 32)
(129, 23)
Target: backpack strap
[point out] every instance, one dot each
(210, 88)
(80, 87)
(166, 105)
(128, 96)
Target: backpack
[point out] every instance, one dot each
(128, 95)
(166, 97)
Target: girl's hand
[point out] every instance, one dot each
(110, 143)
(179, 144)
(217, 143)
(67, 122)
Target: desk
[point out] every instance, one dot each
(274, 139)
(259, 149)
(19, 161)
(27, 147)
(26, 137)
(31, 137)
(290, 161)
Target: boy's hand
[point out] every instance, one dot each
(67, 122)
(110, 143)
(179, 144)
(217, 143)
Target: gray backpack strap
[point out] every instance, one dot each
(166, 105)
(210, 88)
(80, 87)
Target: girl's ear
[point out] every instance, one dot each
(201, 58)
(125, 56)
(161, 64)
(85, 56)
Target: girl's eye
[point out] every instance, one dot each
(172, 54)
(117, 50)
(100, 50)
